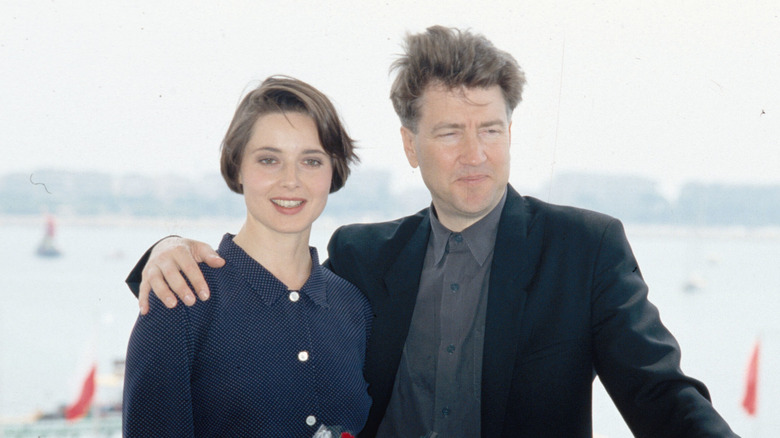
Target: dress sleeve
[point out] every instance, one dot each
(637, 358)
(157, 395)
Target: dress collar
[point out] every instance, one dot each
(264, 283)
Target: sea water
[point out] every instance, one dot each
(717, 290)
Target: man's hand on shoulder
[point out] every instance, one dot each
(171, 260)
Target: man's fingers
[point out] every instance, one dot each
(152, 281)
(173, 280)
(166, 296)
(172, 262)
(143, 297)
(161, 288)
(201, 252)
(214, 260)
(195, 275)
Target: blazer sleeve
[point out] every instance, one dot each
(637, 358)
(334, 249)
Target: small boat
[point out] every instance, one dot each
(95, 413)
(694, 283)
(47, 248)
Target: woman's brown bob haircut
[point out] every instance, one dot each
(454, 59)
(282, 94)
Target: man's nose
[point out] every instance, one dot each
(473, 150)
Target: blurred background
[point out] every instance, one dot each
(665, 115)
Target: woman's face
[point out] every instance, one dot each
(285, 173)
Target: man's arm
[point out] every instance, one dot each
(166, 268)
(638, 359)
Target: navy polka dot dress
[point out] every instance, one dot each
(255, 360)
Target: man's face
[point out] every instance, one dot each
(462, 149)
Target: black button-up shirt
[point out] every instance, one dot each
(438, 383)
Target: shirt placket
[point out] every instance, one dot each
(457, 271)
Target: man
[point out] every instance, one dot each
(493, 311)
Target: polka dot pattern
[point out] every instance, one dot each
(256, 359)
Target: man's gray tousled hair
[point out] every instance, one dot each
(453, 58)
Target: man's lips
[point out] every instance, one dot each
(472, 178)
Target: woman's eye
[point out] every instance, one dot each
(313, 162)
(266, 161)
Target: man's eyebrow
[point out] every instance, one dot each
(446, 125)
(497, 122)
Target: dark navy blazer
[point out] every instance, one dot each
(566, 302)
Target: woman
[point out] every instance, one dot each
(278, 350)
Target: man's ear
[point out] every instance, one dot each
(407, 136)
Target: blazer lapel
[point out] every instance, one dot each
(393, 315)
(402, 280)
(512, 269)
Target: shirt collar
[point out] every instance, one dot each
(480, 237)
(264, 282)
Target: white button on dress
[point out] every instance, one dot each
(311, 420)
(303, 356)
(294, 296)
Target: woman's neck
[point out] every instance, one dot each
(286, 256)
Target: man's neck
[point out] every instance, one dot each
(457, 221)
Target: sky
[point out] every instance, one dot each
(676, 91)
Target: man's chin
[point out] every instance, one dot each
(475, 210)
(478, 204)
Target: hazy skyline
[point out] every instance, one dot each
(668, 90)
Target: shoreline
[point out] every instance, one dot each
(119, 221)
(632, 229)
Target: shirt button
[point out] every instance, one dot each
(303, 356)
(454, 287)
(458, 238)
(311, 420)
(450, 349)
(295, 296)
